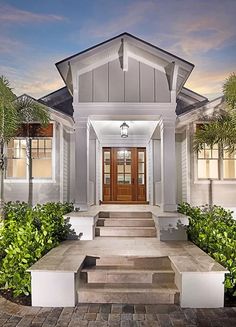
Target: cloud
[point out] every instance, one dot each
(209, 82)
(36, 78)
(10, 14)
(126, 17)
(9, 45)
(205, 30)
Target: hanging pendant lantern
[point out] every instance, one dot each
(124, 130)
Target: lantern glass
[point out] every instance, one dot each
(124, 130)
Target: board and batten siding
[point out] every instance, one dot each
(66, 165)
(109, 83)
(184, 169)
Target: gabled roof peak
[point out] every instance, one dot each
(120, 36)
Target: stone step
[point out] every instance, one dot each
(126, 231)
(166, 293)
(125, 214)
(123, 222)
(127, 262)
(128, 275)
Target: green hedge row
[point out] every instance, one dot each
(213, 229)
(26, 235)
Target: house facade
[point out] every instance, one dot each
(85, 159)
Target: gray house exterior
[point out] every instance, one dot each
(124, 79)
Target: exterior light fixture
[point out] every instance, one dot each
(124, 130)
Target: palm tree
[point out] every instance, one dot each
(30, 111)
(221, 128)
(9, 122)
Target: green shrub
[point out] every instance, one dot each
(26, 235)
(213, 229)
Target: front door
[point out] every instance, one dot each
(124, 175)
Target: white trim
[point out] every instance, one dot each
(33, 181)
(215, 181)
(61, 164)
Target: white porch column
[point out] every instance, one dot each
(82, 164)
(168, 165)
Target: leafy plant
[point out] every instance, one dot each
(26, 235)
(213, 229)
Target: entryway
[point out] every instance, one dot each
(124, 175)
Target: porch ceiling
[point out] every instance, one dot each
(137, 129)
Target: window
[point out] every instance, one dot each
(208, 162)
(16, 163)
(40, 154)
(229, 165)
(211, 165)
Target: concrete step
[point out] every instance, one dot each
(126, 231)
(126, 214)
(166, 293)
(120, 275)
(127, 262)
(124, 222)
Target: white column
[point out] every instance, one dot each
(82, 164)
(168, 165)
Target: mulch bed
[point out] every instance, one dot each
(230, 301)
(23, 300)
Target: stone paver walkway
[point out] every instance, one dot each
(115, 315)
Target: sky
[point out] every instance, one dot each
(35, 34)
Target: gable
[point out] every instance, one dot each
(110, 83)
(124, 52)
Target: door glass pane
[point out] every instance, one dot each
(127, 178)
(141, 167)
(127, 154)
(106, 155)
(107, 179)
(120, 168)
(106, 168)
(120, 154)
(120, 179)
(141, 157)
(141, 179)
(128, 167)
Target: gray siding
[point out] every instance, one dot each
(178, 147)
(66, 166)
(132, 82)
(109, 83)
(184, 168)
(146, 83)
(116, 82)
(100, 84)
(85, 87)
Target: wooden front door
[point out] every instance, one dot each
(124, 175)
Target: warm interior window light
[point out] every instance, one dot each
(208, 162)
(229, 165)
(41, 156)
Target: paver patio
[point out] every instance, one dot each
(101, 315)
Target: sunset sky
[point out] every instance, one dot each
(35, 34)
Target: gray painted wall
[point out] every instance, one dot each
(92, 167)
(109, 83)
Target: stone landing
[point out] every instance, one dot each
(56, 277)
